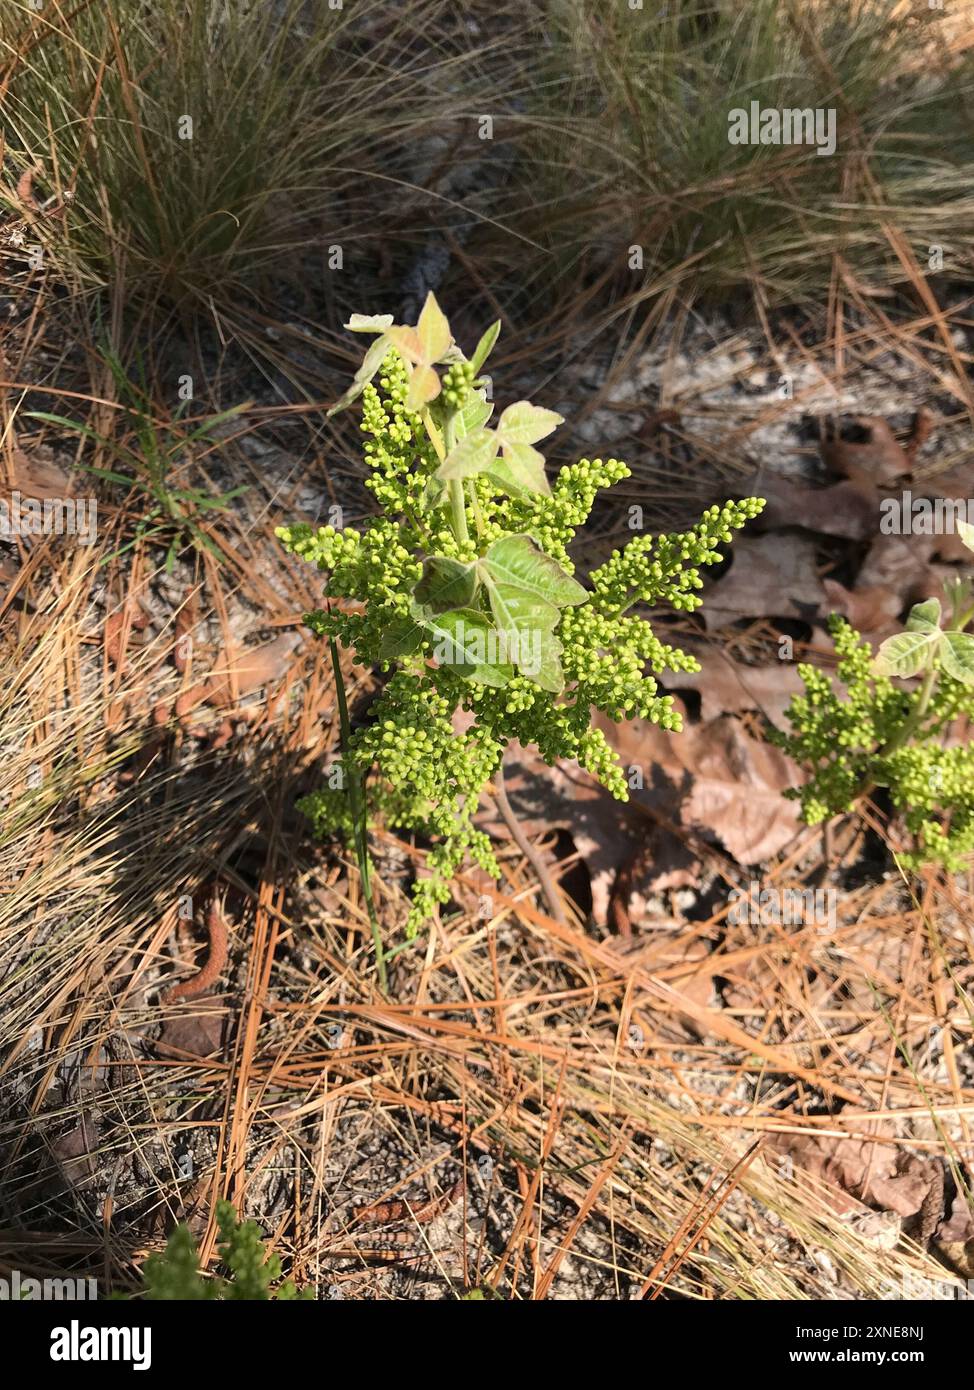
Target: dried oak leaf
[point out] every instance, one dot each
(870, 608)
(736, 785)
(37, 474)
(860, 1170)
(842, 509)
(713, 777)
(196, 1034)
(770, 576)
(865, 450)
(242, 674)
(726, 686)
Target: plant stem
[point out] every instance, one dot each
(356, 796)
(548, 886)
(458, 509)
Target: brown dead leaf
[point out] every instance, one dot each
(870, 608)
(25, 191)
(199, 1034)
(735, 791)
(727, 687)
(76, 1151)
(715, 778)
(843, 509)
(118, 627)
(251, 669)
(663, 862)
(865, 450)
(862, 1170)
(37, 474)
(770, 576)
(958, 1224)
(898, 563)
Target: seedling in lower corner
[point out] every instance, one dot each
(469, 602)
(253, 1274)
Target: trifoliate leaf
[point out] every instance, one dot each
(521, 470)
(924, 617)
(484, 348)
(472, 455)
(465, 640)
(517, 560)
(906, 654)
(966, 532)
(446, 584)
(421, 347)
(957, 656)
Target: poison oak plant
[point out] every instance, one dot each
(880, 734)
(469, 599)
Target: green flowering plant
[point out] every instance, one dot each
(467, 597)
(873, 732)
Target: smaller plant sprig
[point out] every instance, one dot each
(175, 1274)
(878, 734)
(170, 514)
(469, 601)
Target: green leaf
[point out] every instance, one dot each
(446, 583)
(472, 455)
(924, 617)
(401, 637)
(465, 641)
(484, 348)
(370, 365)
(957, 656)
(474, 414)
(966, 532)
(547, 671)
(517, 561)
(433, 330)
(524, 423)
(906, 654)
(75, 426)
(520, 472)
(519, 613)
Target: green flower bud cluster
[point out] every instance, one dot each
(422, 776)
(863, 731)
(663, 569)
(554, 520)
(457, 381)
